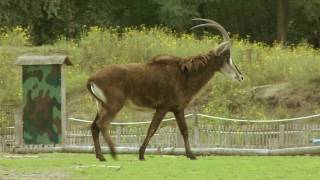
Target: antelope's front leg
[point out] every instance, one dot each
(157, 118)
(181, 121)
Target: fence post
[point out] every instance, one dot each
(196, 132)
(179, 139)
(196, 137)
(118, 136)
(307, 132)
(18, 127)
(195, 115)
(281, 135)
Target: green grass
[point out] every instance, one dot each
(85, 166)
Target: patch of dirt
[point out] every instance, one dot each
(297, 99)
(9, 174)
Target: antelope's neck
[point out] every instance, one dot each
(196, 81)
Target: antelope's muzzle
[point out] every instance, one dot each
(231, 70)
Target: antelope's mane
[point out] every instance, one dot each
(194, 63)
(188, 64)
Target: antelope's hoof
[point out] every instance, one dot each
(141, 158)
(114, 157)
(101, 158)
(192, 157)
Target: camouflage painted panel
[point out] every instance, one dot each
(42, 103)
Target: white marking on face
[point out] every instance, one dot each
(230, 70)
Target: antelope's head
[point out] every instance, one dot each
(223, 51)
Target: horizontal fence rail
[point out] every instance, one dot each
(283, 133)
(128, 123)
(211, 117)
(259, 120)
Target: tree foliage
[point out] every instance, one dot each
(254, 19)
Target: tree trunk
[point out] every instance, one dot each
(282, 20)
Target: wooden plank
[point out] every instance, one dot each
(196, 134)
(118, 135)
(18, 127)
(63, 105)
(281, 135)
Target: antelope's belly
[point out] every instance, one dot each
(131, 105)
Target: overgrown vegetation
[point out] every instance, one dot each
(260, 64)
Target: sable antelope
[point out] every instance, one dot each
(165, 84)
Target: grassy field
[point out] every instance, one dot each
(85, 166)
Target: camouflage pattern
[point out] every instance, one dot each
(42, 104)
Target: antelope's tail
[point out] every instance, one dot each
(96, 92)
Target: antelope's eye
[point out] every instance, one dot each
(227, 59)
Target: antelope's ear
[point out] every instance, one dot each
(223, 48)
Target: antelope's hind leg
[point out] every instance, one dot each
(95, 135)
(108, 112)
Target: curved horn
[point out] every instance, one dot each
(214, 24)
(205, 20)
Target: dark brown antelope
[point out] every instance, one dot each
(165, 84)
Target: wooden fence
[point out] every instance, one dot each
(6, 127)
(204, 133)
(231, 135)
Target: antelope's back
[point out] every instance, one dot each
(158, 82)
